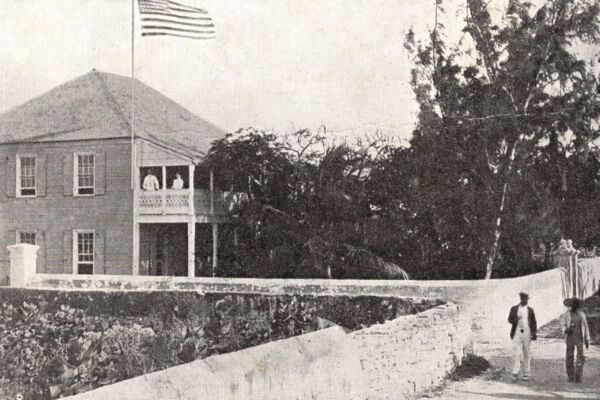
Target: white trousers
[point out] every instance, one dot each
(522, 358)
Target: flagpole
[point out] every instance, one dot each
(133, 152)
(135, 250)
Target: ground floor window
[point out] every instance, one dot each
(26, 237)
(83, 249)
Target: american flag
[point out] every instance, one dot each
(166, 17)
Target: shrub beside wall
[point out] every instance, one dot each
(393, 360)
(56, 343)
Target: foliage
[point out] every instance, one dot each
(308, 208)
(58, 343)
(472, 365)
(67, 352)
(502, 157)
(502, 163)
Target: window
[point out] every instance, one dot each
(26, 237)
(83, 249)
(84, 174)
(26, 176)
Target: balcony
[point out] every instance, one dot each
(170, 201)
(174, 202)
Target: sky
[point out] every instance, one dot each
(275, 64)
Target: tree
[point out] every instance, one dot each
(308, 207)
(496, 108)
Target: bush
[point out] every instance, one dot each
(61, 343)
(67, 352)
(471, 366)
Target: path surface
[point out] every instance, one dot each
(548, 379)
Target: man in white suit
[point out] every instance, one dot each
(522, 332)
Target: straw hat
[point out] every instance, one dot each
(572, 302)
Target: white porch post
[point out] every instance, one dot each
(135, 261)
(164, 189)
(191, 231)
(191, 226)
(215, 237)
(212, 192)
(191, 189)
(136, 247)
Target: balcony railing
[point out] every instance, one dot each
(170, 201)
(222, 202)
(173, 201)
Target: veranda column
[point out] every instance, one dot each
(136, 246)
(164, 189)
(215, 235)
(212, 192)
(135, 259)
(191, 226)
(191, 233)
(191, 189)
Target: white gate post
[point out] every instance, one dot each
(23, 258)
(565, 258)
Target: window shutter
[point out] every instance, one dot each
(11, 175)
(68, 252)
(100, 173)
(40, 175)
(40, 240)
(68, 185)
(99, 252)
(11, 237)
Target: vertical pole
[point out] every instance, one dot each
(164, 189)
(215, 237)
(132, 93)
(212, 192)
(136, 248)
(191, 249)
(575, 275)
(136, 227)
(192, 168)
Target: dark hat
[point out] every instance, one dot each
(572, 302)
(523, 295)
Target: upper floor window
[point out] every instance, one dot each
(83, 249)
(26, 178)
(84, 174)
(26, 237)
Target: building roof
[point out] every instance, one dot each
(98, 105)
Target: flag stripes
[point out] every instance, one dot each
(167, 17)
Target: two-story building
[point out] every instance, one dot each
(98, 201)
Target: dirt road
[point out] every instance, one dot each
(548, 379)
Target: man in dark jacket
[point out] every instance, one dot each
(522, 332)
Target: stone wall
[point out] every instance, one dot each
(386, 361)
(485, 303)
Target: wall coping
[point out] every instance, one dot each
(267, 282)
(456, 291)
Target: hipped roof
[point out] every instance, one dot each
(98, 105)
